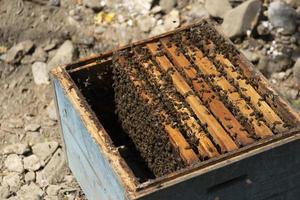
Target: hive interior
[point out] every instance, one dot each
(179, 100)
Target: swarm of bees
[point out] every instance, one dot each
(147, 100)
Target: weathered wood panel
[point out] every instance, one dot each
(91, 168)
(273, 174)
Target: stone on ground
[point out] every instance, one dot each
(53, 172)
(172, 20)
(4, 192)
(40, 73)
(17, 148)
(167, 5)
(16, 53)
(283, 16)
(32, 163)
(217, 8)
(13, 180)
(296, 71)
(14, 163)
(64, 55)
(31, 191)
(242, 18)
(51, 111)
(44, 150)
(32, 127)
(29, 177)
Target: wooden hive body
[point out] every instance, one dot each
(107, 167)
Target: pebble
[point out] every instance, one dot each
(17, 148)
(294, 3)
(146, 22)
(53, 171)
(172, 20)
(217, 8)
(14, 163)
(32, 163)
(93, 4)
(54, 2)
(197, 11)
(32, 127)
(296, 71)
(40, 73)
(29, 177)
(31, 191)
(44, 150)
(291, 93)
(13, 180)
(282, 16)
(52, 190)
(4, 192)
(16, 53)
(158, 29)
(242, 18)
(167, 5)
(65, 54)
(250, 55)
(39, 55)
(51, 111)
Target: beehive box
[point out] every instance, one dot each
(238, 139)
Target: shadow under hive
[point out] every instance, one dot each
(187, 98)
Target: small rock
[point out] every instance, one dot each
(252, 56)
(44, 150)
(51, 198)
(12, 180)
(4, 192)
(283, 16)
(158, 29)
(52, 190)
(33, 137)
(294, 3)
(279, 76)
(296, 71)
(65, 54)
(51, 110)
(32, 127)
(167, 5)
(53, 172)
(31, 191)
(172, 20)
(146, 22)
(32, 163)
(14, 163)
(69, 178)
(15, 54)
(264, 28)
(268, 66)
(40, 73)
(217, 8)
(197, 11)
(291, 93)
(15, 148)
(54, 2)
(39, 55)
(242, 18)
(93, 4)
(29, 176)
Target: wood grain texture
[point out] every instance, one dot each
(85, 158)
(215, 129)
(268, 175)
(207, 67)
